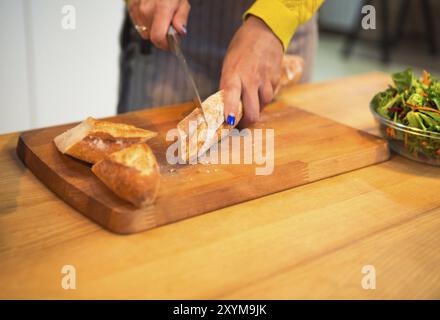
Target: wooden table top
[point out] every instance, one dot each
(307, 242)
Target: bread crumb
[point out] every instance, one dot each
(204, 170)
(203, 161)
(99, 144)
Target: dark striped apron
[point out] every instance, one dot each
(150, 77)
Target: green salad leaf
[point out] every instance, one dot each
(403, 80)
(415, 103)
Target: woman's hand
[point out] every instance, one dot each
(152, 18)
(251, 70)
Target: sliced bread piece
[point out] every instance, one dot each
(131, 173)
(92, 139)
(197, 135)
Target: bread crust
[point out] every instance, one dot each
(94, 147)
(291, 70)
(128, 181)
(92, 140)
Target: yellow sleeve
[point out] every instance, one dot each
(284, 16)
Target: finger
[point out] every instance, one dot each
(146, 9)
(275, 79)
(231, 86)
(133, 7)
(251, 105)
(276, 84)
(265, 93)
(180, 19)
(161, 22)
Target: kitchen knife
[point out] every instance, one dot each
(174, 44)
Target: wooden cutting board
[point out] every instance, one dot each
(307, 148)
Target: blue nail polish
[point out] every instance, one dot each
(184, 29)
(231, 119)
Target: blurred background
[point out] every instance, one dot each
(52, 75)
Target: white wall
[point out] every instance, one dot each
(14, 90)
(50, 75)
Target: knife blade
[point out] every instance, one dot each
(174, 44)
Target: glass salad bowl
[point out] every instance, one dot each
(412, 143)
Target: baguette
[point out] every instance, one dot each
(292, 70)
(131, 173)
(197, 134)
(92, 140)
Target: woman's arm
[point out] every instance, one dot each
(252, 66)
(284, 16)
